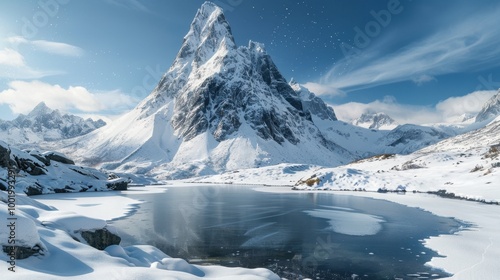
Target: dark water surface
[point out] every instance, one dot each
(237, 226)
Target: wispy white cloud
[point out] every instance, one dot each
(472, 103)
(321, 90)
(447, 111)
(22, 97)
(469, 44)
(13, 66)
(58, 48)
(11, 57)
(420, 80)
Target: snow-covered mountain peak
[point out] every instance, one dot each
(218, 107)
(209, 31)
(490, 110)
(40, 109)
(372, 120)
(203, 51)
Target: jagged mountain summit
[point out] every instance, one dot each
(490, 110)
(45, 124)
(373, 120)
(219, 107)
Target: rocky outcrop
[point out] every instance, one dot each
(118, 185)
(19, 252)
(313, 104)
(4, 155)
(58, 157)
(100, 238)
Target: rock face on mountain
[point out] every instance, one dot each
(45, 124)
(219, 107)
(313, 104)
(490, 110)
(372, 120)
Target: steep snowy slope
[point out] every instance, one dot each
(45, 124)
(218, 107)
(490, 110)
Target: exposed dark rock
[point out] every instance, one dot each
(30, 166)
(66, 189)
(40, 157)
(4, 156)
(58, 157)
(100, 238)
(35, 189)
(20, 253)
(119, 185)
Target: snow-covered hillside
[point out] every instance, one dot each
(51, 172)
(45, 124)
(466, 165)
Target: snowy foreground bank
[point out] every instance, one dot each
(53, 232)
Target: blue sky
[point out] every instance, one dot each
(419, 61)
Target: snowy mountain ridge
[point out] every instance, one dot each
(45, 124)
(372, 120)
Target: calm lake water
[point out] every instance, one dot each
(316, 235)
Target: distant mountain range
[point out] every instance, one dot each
(45, 124)
(372, 120)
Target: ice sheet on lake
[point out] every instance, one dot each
(349, 223)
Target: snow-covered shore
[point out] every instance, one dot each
(53, 231)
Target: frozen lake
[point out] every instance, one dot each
(317, 235)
